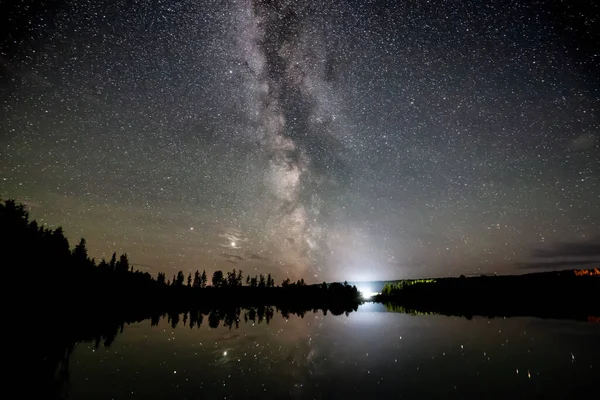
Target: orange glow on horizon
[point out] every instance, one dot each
(587, 272)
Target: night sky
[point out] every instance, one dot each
(325, 140)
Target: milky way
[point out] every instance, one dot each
(322, 140)
(287, 60)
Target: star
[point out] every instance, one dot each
(319, 140)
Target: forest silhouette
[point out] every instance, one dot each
(570, 294)
(59, 274)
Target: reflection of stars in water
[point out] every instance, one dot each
(280, 361)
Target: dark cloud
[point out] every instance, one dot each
(257, 257)
(565, 255)
(571, 249)
(557, 264)
(583, 142)
(233, 256)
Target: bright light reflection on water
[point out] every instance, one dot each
(367, 354)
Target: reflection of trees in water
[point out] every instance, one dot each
(54, 369)
(55, 353)
(399, 308)
(229, 317)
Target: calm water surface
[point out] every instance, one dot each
(367, 354)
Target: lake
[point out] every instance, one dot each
(366, 354)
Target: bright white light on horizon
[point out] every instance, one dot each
(366, 292)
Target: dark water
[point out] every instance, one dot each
(367, 354)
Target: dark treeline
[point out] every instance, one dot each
(565, 294)
(41, 260)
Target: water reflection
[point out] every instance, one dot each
(262, 351)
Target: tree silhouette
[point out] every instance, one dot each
(213, 318)
(113, 262)
(122, 264)
(103, 265)
(261, 281)
(203, 279)
(189, 280)
(196, 283)
(174, 320)
(217, 279)
(80, 255)
(180, 278)
(160, 278)
(232, 278)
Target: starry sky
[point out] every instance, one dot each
(337, 140)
